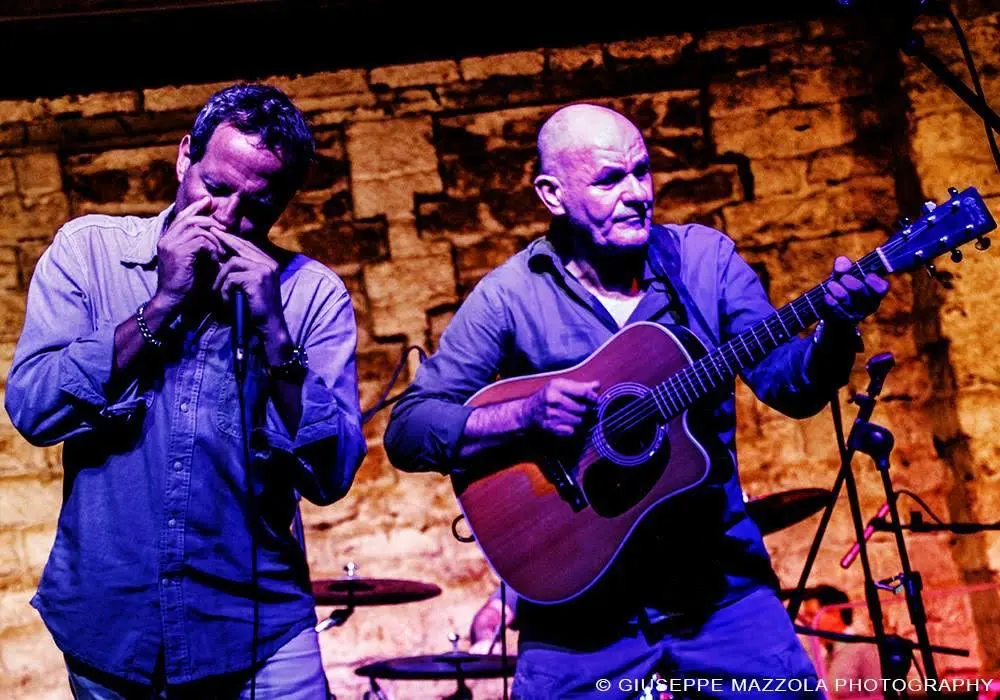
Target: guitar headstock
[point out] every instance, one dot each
(942, 228)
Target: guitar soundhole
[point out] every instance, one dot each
(628, 437)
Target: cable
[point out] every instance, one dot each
(922, 503)
(382, 402)
(252, 518)
(953, 19)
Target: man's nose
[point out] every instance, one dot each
(225, 211)
(637, 190)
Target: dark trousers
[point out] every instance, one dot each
(744, 650)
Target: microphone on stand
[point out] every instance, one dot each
(241, 314)
(855, 549)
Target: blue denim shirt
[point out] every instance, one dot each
(530, 315)
(153, 551)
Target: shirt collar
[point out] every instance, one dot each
(140, 249)
(542, 255)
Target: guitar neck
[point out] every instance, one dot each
(716, 369)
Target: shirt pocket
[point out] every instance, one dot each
(227, 411)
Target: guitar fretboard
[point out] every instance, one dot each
(717, 368)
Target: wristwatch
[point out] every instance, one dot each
(293, 369)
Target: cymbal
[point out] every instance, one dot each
(780, 510)
(450, 666)
(371, 591)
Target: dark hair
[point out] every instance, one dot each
(262, 111)
(828, 595)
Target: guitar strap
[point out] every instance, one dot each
(669, 269)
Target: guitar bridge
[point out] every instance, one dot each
(566, 485)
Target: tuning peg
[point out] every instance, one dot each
(903, 222)
(983, 243)
(953, 191)
(453, 638)
(931, 271)
(351, 569)
(956, 255)
(929, 206)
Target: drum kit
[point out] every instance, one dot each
(771, 513)
(351, 592)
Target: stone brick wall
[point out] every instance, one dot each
(802, 141)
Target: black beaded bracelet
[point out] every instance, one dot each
(147, 334)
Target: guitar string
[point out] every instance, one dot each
(624, 418)
(637, 411)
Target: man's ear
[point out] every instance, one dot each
(549, 190)
(183, 157)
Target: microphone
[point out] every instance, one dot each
(855, 549)
(241, 314)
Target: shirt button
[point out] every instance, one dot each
(165, 581)
(171, 522)
(184, 408)
(178, 465)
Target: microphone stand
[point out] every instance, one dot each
(241, 314)
(901, 20)
(913, 45)
(878, 368)
(877, 442)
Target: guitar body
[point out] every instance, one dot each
(551, 525)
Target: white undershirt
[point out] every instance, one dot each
(620, 308)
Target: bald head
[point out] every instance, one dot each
(595, 176)
(576, 127)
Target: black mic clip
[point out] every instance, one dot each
(878, 368)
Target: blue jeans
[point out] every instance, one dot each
(294, 672)
(751, 639)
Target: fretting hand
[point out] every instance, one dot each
(849, 300)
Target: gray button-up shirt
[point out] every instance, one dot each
(153, 551)
(529, 316)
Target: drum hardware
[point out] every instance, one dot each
(453, 665)
(352, 591)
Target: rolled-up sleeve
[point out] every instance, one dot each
(788, 379)
(57, 385)
(427, 423)
(329, 446)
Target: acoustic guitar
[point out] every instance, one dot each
(551, 524)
